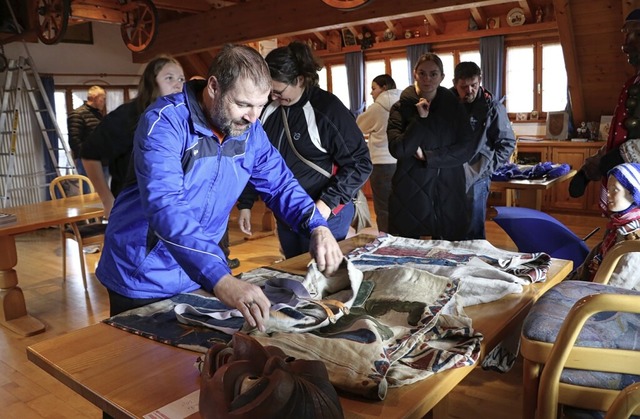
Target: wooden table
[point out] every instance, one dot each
(129, 376)
(532, 189)
(31, 217)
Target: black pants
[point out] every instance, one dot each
(119, 303)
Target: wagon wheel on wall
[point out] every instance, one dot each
(53, 17)
(140, 24)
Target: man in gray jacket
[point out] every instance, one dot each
(490, 123)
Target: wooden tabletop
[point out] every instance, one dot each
(32, 217)
(129, 376)
(532, 183)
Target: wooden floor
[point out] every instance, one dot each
(28, 392)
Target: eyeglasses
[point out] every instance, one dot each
(279, 93)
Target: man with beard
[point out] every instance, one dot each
(495, 138)
(193, 154)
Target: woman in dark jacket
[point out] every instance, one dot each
(319, 140)
(430, 136)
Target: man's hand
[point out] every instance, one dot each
(244, 221)
(423, 107)
(325, 250)
(247, 298)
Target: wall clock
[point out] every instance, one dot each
(515, 17)
(346, 4)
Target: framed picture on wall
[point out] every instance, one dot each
(557, 125)
(348, 38)
(605, 124)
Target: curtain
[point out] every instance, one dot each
(354, 62)
(492, 64)
(49, 164)
(414, 52)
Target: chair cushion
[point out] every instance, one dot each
(605, 330)
(89, 230)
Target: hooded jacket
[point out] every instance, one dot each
(163, 233)
(374, 122)
(428, 198)
(496, 139)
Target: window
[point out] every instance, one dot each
(536, 78)
(449, 65)
(554, 79)
(372, 69)
(339, 85)
(519, 86)
(473, 56)
(400, 72)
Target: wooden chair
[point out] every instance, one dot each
(84, 233)
(562, 339)
(626, 403)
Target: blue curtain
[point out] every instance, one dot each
(49, 164)
(492, 64)
(354, 62)
(413, 53)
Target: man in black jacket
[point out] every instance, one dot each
(83, 120)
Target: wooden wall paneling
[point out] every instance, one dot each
(567, 39)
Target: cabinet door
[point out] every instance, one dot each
(559, 194)
(531, 154)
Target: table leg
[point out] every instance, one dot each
(539, 199)
(13, 311)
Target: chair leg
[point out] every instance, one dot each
(530, 383)
(83, 268)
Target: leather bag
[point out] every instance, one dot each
(248, 381)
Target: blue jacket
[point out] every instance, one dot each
(164, 229)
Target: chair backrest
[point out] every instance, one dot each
(70, 185)
(624, 405)
(608, 265)
(622, 361)
(535, 231)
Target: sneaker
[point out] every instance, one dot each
(233, 263)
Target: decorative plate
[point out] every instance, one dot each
(515, 17)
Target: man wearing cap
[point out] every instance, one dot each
(625, 125)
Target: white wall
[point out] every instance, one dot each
(108, 55)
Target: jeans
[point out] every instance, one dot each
(477, 197)
(294, 244)
(380, 181)
(119, 303)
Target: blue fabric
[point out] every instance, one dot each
(605, 330)
(414, 52)
(542, 170)
(354, 61)
(492, 63)
(163, 233)
(294, 244)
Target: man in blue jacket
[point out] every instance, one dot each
(193, 154)
(496, 141)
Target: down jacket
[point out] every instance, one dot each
(428, 198)
(163, 233)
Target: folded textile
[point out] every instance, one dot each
(542, 170)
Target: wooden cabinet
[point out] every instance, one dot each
(572, 153)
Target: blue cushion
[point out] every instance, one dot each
(604, 330)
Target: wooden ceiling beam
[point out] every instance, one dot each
(437, 25)
(526, 9)
(189, 6)
(246, 22)
(479, 16)
(567, 39)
